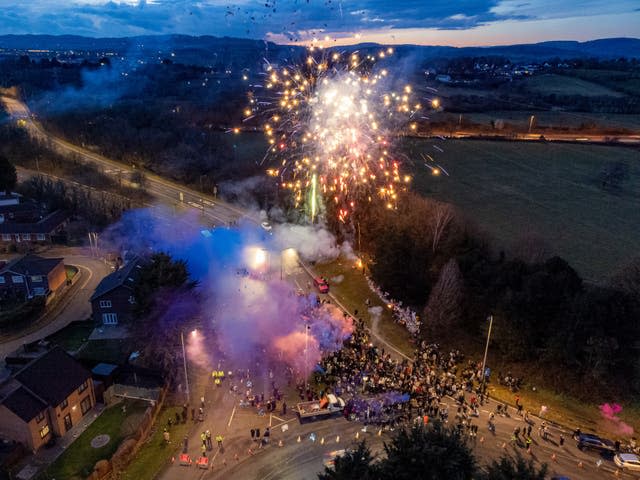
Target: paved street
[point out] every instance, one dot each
(74, 306)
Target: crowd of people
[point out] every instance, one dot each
(405, 316)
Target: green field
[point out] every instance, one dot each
(511, 189)
(546, 119)
(550, 84)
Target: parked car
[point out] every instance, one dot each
(321, 284)
(594, 442)
(627, 461)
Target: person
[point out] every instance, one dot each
(219, 439)
(284, 408)
(562, 440)
(257, 433)
(203, 450)
(166, 436)
(209, 444)
(203, 437)
(253, 433)
(185, 444)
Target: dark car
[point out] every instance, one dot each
(594, 442)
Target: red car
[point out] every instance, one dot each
(321, 284)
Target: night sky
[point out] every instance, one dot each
(429, 22)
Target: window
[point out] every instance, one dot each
(38, 291)
(6, 237)
(110, 318)
(83, 387)
(64, 404)
(36, 278)
(105, 303)
(39, 417)
(85, 404)
(17, 279)
(44, 431)
(42, 236)
(2, 280)
(26, 236)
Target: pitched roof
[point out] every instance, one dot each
(33, 265)
(24, 404)
(126, 276)
(53, 376)
(47, 225)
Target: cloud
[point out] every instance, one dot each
(291, 20)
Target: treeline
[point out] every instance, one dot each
(583, 336)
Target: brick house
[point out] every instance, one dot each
(113, 299)
(33, 276)
(45, 399)
(40, 230)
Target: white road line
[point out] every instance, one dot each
(233, 412)
(88, 279)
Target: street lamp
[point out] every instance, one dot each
(194, 332)
(486, 350)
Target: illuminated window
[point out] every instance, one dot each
(105, 303)
(44, 431)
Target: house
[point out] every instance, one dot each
(45, 398)
(43, 230)
(113, 299)
(33, 276)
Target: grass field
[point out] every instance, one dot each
(73, 335)
(545, 119)
(510, 189)
(549, 84)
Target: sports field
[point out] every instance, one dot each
(553, 190)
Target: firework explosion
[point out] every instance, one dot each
(331, 125)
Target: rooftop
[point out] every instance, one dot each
(126, 276)
(32, 265)
(53, 376)
(24, 404)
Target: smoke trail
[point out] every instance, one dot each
(610, 413)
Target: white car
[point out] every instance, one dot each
(627, 461)
(266, 226)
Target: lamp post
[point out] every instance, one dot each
(486, 350)
(306, 354)
(184, 361)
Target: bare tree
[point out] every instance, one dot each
(444, 307)
(441, 218)
(628, 278)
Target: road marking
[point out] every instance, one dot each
(233, 412)
(88, 279)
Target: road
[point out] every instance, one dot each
(215, 210)
(73, 306)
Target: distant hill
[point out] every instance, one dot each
(205, 49)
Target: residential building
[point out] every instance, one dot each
(43, 230)
(114, 300)
(33, 276)
(45, 398)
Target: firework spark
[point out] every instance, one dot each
(331, 123)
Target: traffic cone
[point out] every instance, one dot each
(580, 465)
(299, 439)
(322, 441)
(554, 458)
(481, 439)
(337, 438)
(250, 452)
(280, 444)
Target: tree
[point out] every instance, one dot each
(508, 468)
(442, 217)
(8, 175)
(444, 308)
(431, 452)
(353, 464)
(160, 273)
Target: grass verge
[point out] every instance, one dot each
(155, 454)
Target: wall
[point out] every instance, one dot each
(74, 400)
